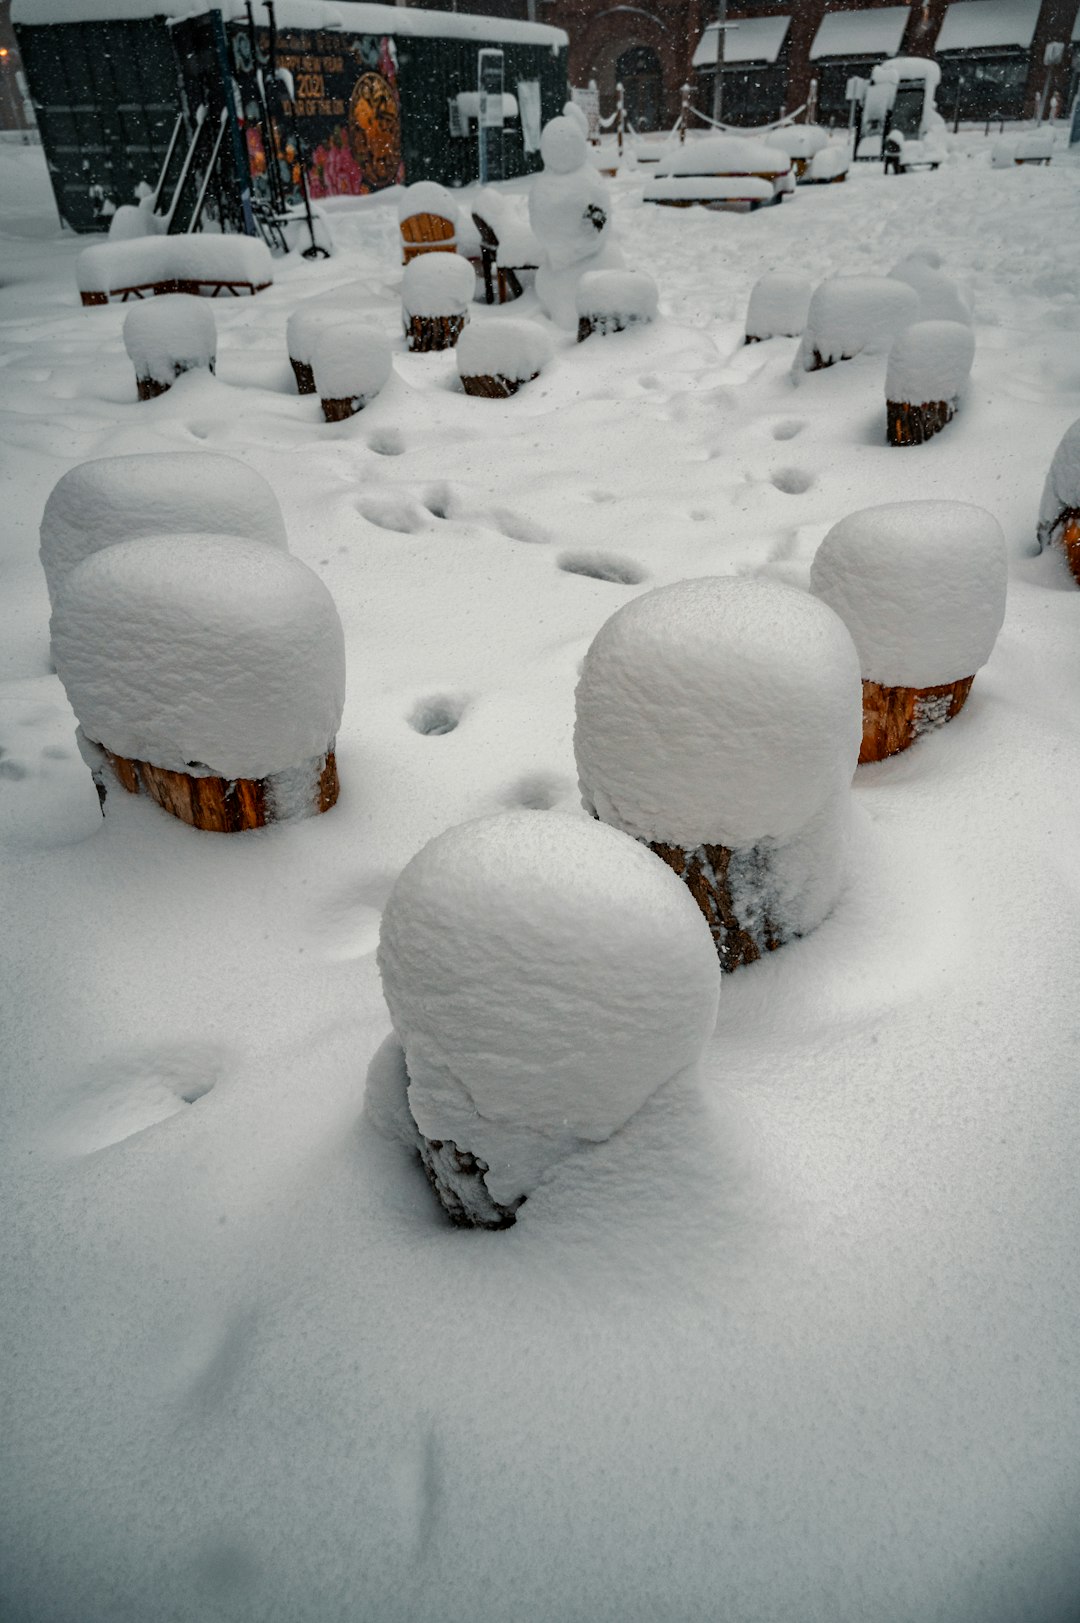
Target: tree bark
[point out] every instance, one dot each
(304, 375)
(706, 872)
(894, 717)
(224, 805)
(910, 424)
(337, 410)
(494, 386)
(457, 1178)
(1065, 533)
(426, 333)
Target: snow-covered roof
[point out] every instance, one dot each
(751, 39)
(974, 23)
(347, 17)
(861, 33)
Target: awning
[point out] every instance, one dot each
(978, 24)
(754, 39)
(861, 33)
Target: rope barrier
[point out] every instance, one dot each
(759, 129)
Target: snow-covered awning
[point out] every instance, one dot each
(975, 24)
(753, 39)
(862, 33)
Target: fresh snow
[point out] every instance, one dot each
(921, 587)
(850, 315)
(939, 297)
(437, 284)
(205, 650)
(508, 349)
(351, 362)
(1061, 492)
(426, 197)
(724, 155)
(799, 1342)
(195, 257)
(930, 360)
(622, 295)
(779, 302)
(165, 336)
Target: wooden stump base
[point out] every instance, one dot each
(304, 375)
(151, 388)
(604, 325)
(457, 1178)
(893, 718)
(908, 424)
(1065, 533)
(494, 386)
(336, 411)
(222, 805)
(427, 333)
(707, 871)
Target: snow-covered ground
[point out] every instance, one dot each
(802, 1346)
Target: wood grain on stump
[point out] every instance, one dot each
(229, 805)
(1065, 533)
(337, 410)
(894, 717)
(706, 872)
(304, 375)
(603, 325)
(151, 388)
(494, 386)
(908, 424)
(457, 1178)
(426, 333)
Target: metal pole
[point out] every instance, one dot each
(684, 114)
(718, 82)
(620, 116)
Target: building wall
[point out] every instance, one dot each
(16, 112)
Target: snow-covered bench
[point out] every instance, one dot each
(196, 263)
(722, 169)
(682, 191)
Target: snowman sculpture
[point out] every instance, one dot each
(570, 214)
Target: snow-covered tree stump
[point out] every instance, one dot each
(921, 587)
(207, 672)
(350, 366)
(1059, 510)
(718, 721)
(544, 976)
(778, 306)
(495, 358)
(610, 301)
(118, 498)
(435, 293)
(165, 338)
(853, 315)
(928, 366)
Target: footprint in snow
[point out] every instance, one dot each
(124, 1094)
(391, 510)
(788, 428)
(437, 715)
(517, 528)
(388, 442)
(792, 481)
(539, 791)
(601, 566)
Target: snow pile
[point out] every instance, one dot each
(570, 213)
(616, 299)
(426, 197)
(930, 360)
(1003, 153)
(921, 587)
(1035, 147)
(197, 257)
(829, 164)
(853, 315)
(708, 189)
(544, 975)
(725, 155)
(518, 247)
(779, 302)
(164, 337)
(311, 317)
(118, 498)
(205, 650)
(798, 140)
(505, 349)
(1061, 492)
(939, 297)
(351, 363)
(437, 285)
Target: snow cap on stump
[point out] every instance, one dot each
(920, 586)
(779, 302)
(544, 975)
(722, 711)
(517, 350)
(170, 335)
(312, 317)
(619, 297)
(351, 363)
(117, 498)
(1061, 492)
(929, 361)
(206, 649)
(437, 285)
(853, 315)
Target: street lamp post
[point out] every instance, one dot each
(718, 82)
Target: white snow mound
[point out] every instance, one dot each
(624, 295)
(211, 650)
(351, 363)
(920, 586)
(717, 710)
(117, 498)
(830, 163)
(437, 285)
(545, 975)
(1062, 488)
(170, 335)
(939, 297)
(197, 256)
(798, 140)
(725, 155)
(779, 303)
(853, 315)
(313, 316)
(931, 360)
(426, 197)
(507, 349)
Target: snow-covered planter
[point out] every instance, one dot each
(854, 315)
(830, 164)
(350, 365)
(436, 290)
(611, 300)
(197, 263)
(545, 976)
(427, 218)
(117, 498)
(1059, 511)
(311, 318)
(921, 587)
(167, 337)
(779, 302)
(928, 366)
(939, 297)
(718, 720)
(208, 672)
(495, 358)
